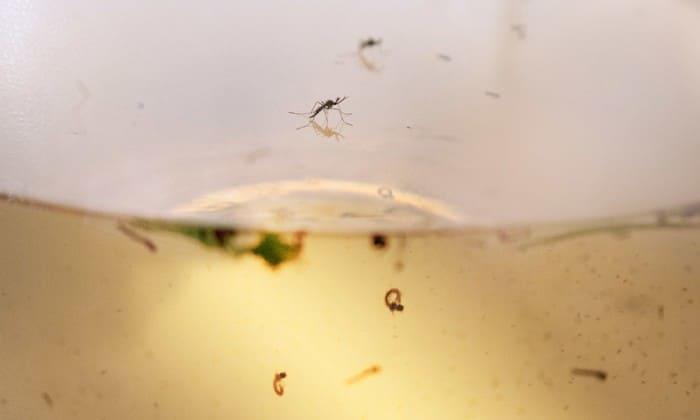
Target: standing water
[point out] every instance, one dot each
(180, 240)
(107, 318)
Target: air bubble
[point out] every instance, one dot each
(385, 193)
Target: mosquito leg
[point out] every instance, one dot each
(341, 115)
(313, 108)
(325, 114)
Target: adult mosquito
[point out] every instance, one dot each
(328, 105)
(370, 42)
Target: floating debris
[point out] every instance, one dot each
(372, 370)
(444, 57)
(593, 373)
(131, 234)
(275, 251)
(47, 399)
(492, 94)
(379, 241)
(274, 248)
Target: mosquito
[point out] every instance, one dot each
(329, 104)
(370, 42)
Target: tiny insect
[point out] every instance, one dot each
(277, 383)
(329, 104)
(370, 42)
(392, 300)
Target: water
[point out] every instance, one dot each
(95, 323)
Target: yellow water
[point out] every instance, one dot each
(94, 325)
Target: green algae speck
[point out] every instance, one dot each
(274, 251)
(271, 247)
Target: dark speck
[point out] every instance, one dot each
(593, 373)
(520, 30)
(379, 241)
(47, 399)
(444, 57)
(132, 234)
(222, 235)
(283, 375)
(494, 95)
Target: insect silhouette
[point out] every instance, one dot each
(370, 42)
(328, 105)
(368, 63)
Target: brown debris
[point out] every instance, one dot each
(132, 234)
(47, 399)
(372, 370)
(379, 241)
(593, 373)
